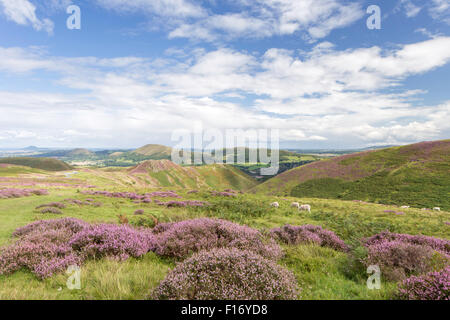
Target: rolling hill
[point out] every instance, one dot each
(166, 174)
(416, 175)
(46, 164)
(155, 151)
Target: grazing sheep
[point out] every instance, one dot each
(405, 207)
(437, 209)
(305, 207)
(295, 205)
(275, 205)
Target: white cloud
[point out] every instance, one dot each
(172, 8)
(23, 12)
(266, 18)
(318, 95)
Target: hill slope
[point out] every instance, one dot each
(47, 164)
(166, 174)
(416, 175)
(155, 151)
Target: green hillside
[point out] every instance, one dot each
(417, 175)
(47, 164)
(155, 151)
(168, 174)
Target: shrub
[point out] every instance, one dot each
(402, 255)
(20, 193)
(308, 234)
(227, 274)
(69, 225)
(139, 212)
(58, 205)
(114, 241)
(180, 239)
(49, 247)
(51, 210)
(42, 248)
(432, 286)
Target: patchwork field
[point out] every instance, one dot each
(321, 271)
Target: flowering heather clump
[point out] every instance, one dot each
(139, 212)
(228, 274)
(437, 244)
(308, 234)
(432, 286)
(193, 191)
(20, 193)
(223, 194)
(181, 204)
(132, 195)
(402, 255)
(49, 247)
(58, 205)
(88, 202)
(114, 241)
(180, 239)
(69, 225)
(51, 210)
(42, 248)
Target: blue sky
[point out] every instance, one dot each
(138, 70)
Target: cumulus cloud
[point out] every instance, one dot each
(23, 12)
(266, 18)
(322, 94)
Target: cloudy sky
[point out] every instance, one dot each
(140, 69)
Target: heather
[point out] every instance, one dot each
(431, 286)
(58, 205)
(183, 204)
(115, 241)
(51, 211)
(49, 247)
(20, 193)
(42, 248)
(294, 235)
(227, 274)
(183, 238)
(403, 255)
(133, 195)
(399, 176)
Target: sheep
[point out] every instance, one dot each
(405, 207)
(275, 205)
(437, 209)
(305, 207)
(295, 205)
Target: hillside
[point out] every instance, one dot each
(416, 175)
(47, 164)
(155, 151)
(80, 153)
(168, 174)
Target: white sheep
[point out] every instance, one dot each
(405, 207)
(305, 207)
(437, 209)
(275, 205)
(295, 205)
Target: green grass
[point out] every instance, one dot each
(322, 273)
(415, 175)
(38, 163)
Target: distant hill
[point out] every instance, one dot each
(80, 153)
(47, 164)
(156, 151)
(416, 175)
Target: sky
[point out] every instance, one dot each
(138, 70)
